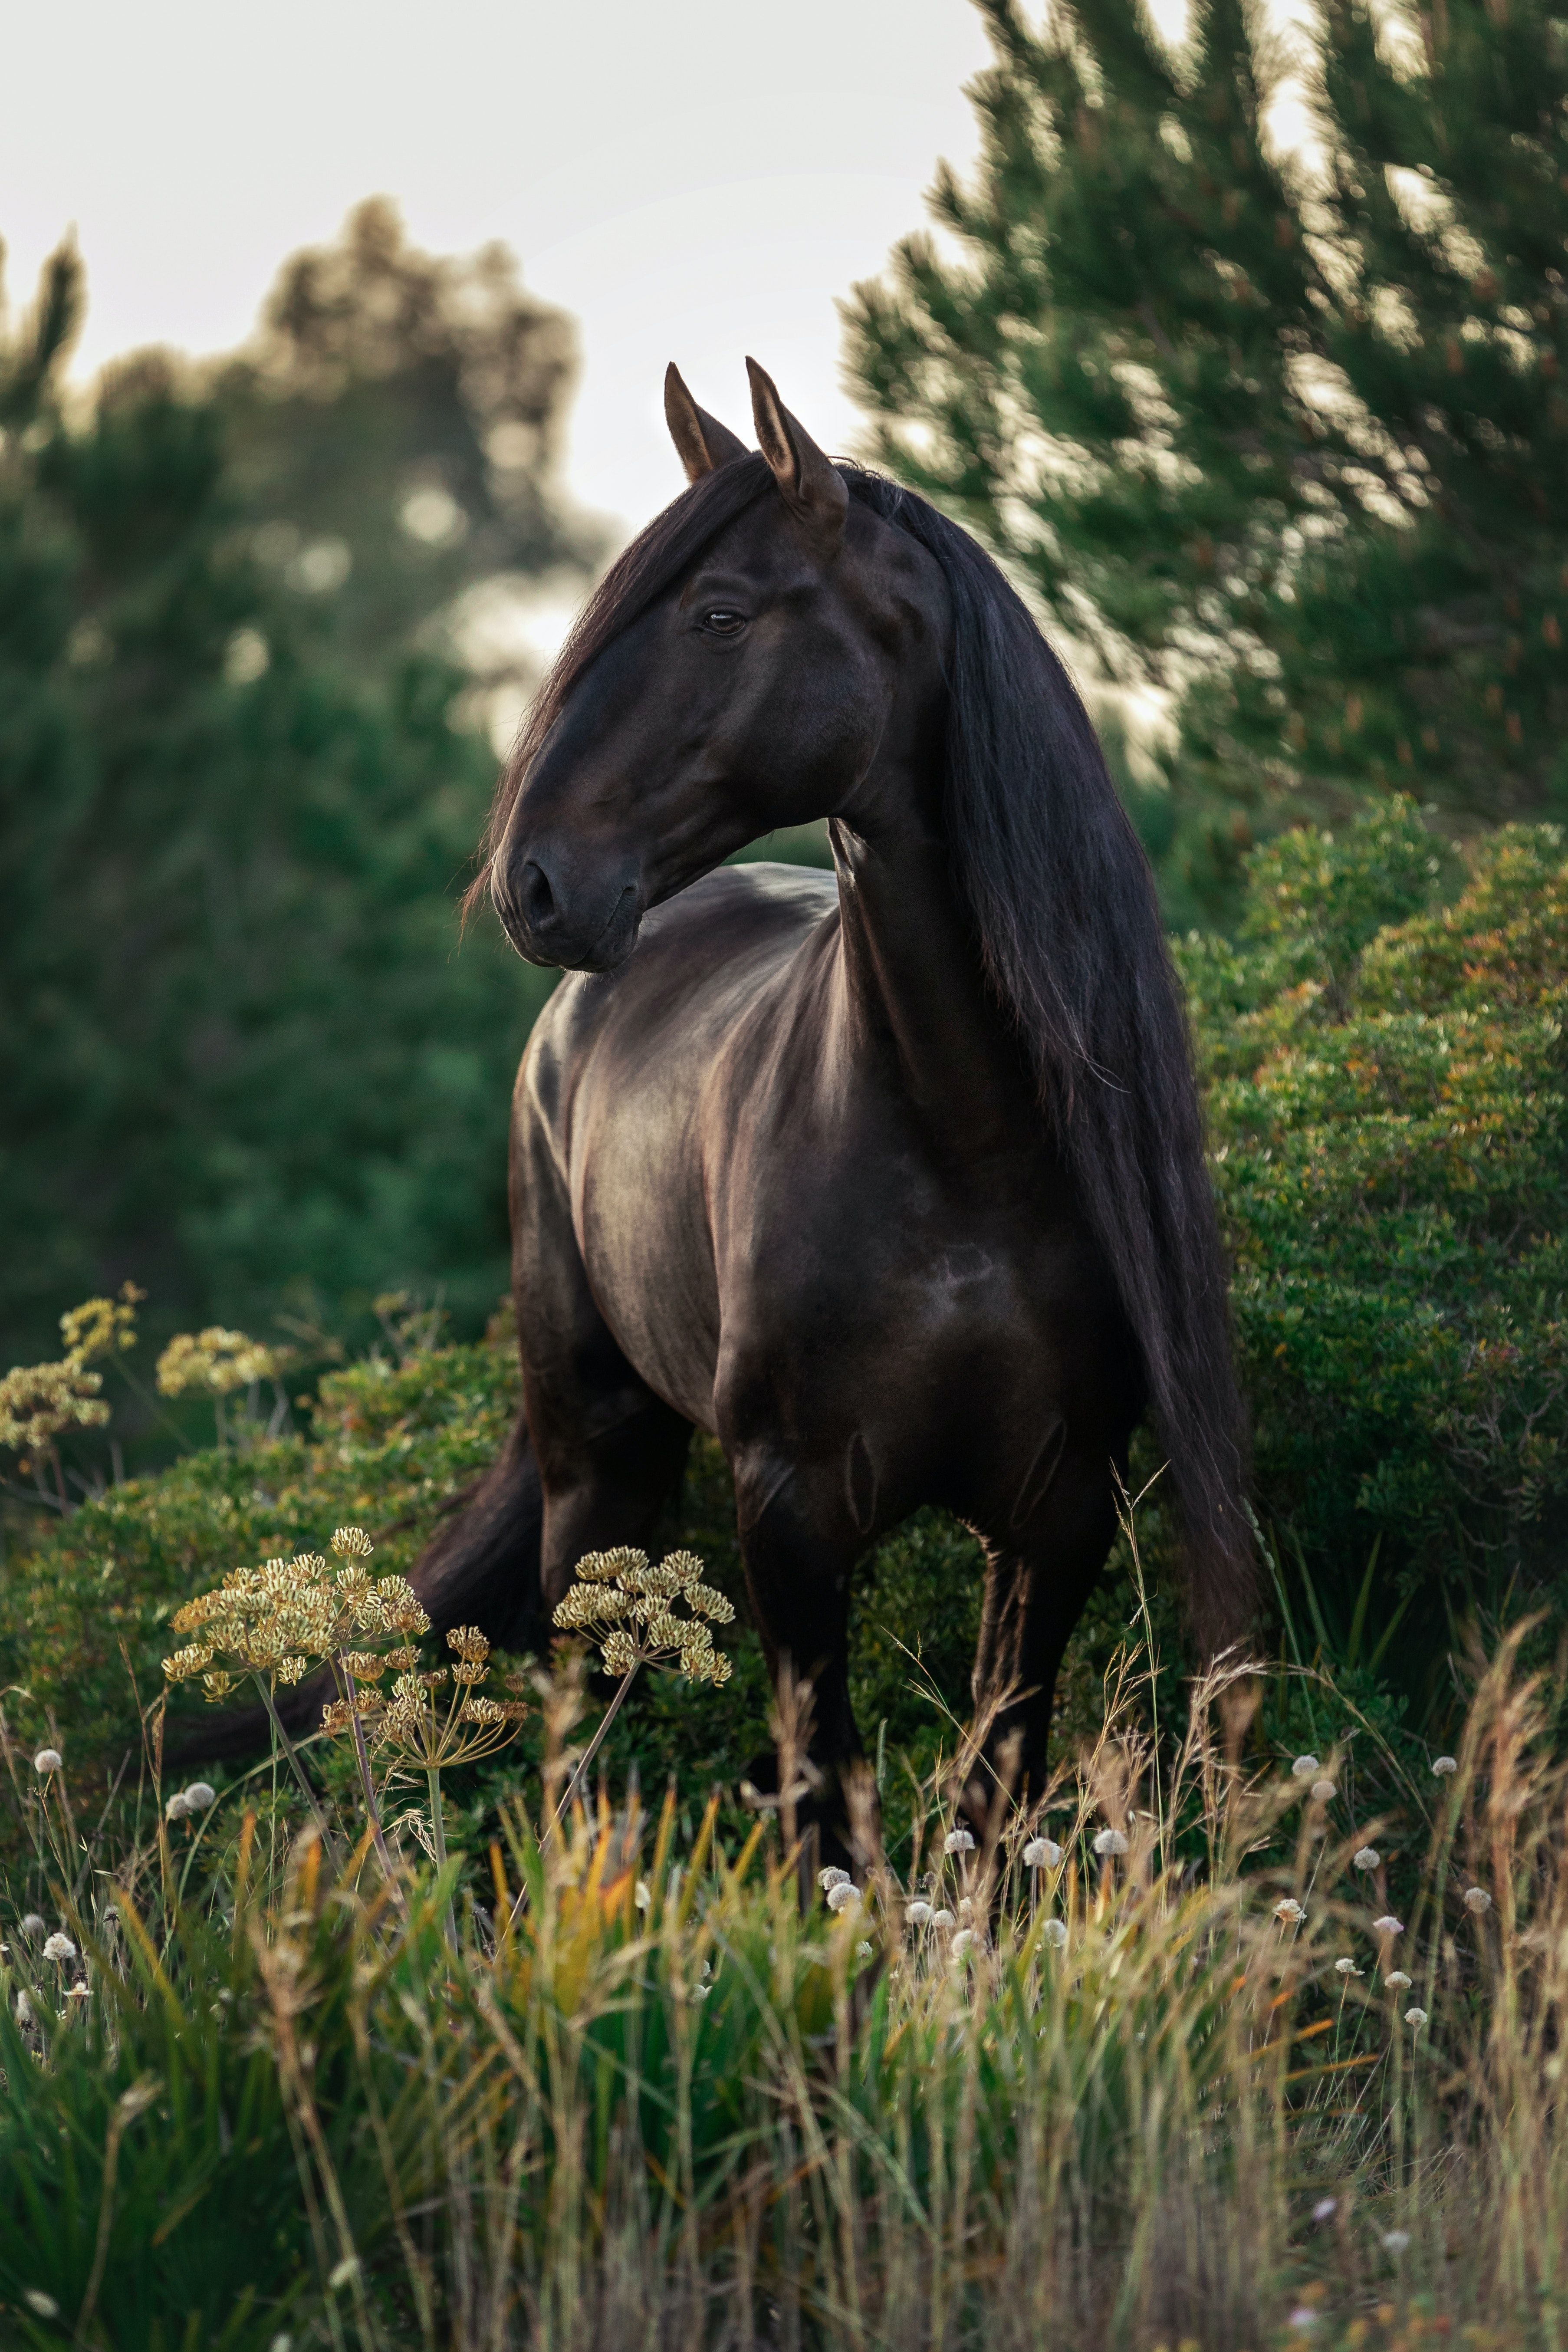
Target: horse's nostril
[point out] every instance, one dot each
(537, 897)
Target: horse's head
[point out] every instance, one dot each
(795, 654)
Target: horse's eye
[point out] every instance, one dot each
(723, 622)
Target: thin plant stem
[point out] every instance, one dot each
(561, 1810)
(264, 1687)
(361, 1753)
(438, 1840)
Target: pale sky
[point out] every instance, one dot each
(691, 181)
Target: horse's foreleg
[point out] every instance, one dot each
(1038, 1583)
(799, 1548)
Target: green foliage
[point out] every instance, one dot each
(244, 1045)
(1283, 432)
(1386, 1096)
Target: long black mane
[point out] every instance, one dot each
(1068, 929)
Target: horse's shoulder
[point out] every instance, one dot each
(762, 892)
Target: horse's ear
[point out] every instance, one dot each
(703, 443)
(812, 489)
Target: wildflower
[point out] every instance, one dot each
(1290, 1912)
(200, 1795)
(839, 1899)
(958, 1842)
(59, 1947)
(1388, 1925)
(1365, 1857)
(1347, 1968)
(80, 1990)
(49, 1759)
(862, 1951)
(343, 2272)
(1054, 1934)
(965, 1909)
(33, 1925)
(1322, 1790)
(1478, 1900)
(628, 1605)
(1042, 1854)
(1444, 1766)
(1416, 2017)
(1396, 2241)
(831, 1877)
(23, 2009)
(1325, 2209)
(1304, 1767)
(214, 1362)
(917, 1914)
(101, 1327)
(961, 1943)
(176, 1809)
(943, 1918)
(1303, 2319)
(1397, 1981)
(283, 2343)
(44, 2305)
(38, 1400)
(642, 1897)
(1110, 1841)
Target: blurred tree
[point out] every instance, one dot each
(1280, 429)
(240, 1048)
(393, 429)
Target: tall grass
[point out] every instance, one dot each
(1124, 2097)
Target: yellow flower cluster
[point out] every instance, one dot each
(38, 1400)
(416, 1726)
(102, 1327)
(214, 1363)
(275, 1619)
(633, 1610)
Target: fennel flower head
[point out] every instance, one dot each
(277, 1618)
(212, 1363)
(639, 1612)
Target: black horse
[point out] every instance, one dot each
(895, 1182)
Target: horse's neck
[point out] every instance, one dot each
(915, 997)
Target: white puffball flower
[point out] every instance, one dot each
(1478, 1900)
(942, 1919)
(1388, 1925)
(49, 1759)
(59, 1947)
(862, 1951)
(1289, 1911)
(958, 1842)
(1042, 1854)
(831, 1877)
(1396, 2241)
(44, 2305)
(1322, 1790)
(965, 1909)
(1415, 2017)
(1397, 1979)
(1347, 1968)
(1303, 2319)
(840, 1897)
(918, 1912)
(32, 1925)
(1304, 1767)
(1110, 1841)
(642, 1897)
(1054, 1934)
(1444, 1766)
(1325, 2209)
(961, 1943)
(199, 1796)
(176, 1809)
(1365, 1857)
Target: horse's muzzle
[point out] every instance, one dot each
(579, 929)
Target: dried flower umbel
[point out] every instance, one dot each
(634, 1611)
